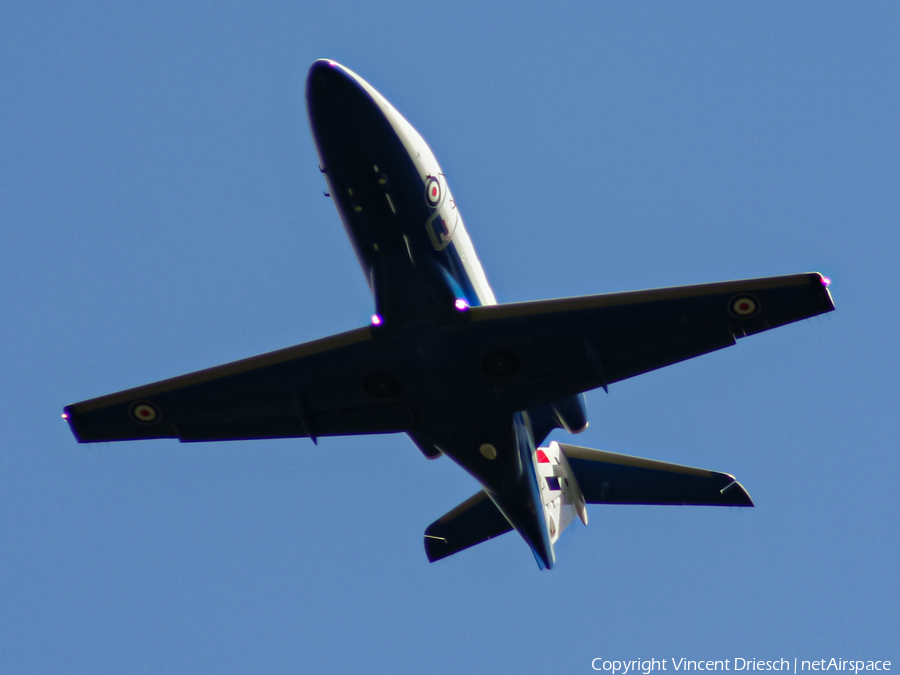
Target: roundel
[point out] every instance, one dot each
(744, 306)
(433, 191)
(144, 412)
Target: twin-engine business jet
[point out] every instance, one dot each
(445, 364)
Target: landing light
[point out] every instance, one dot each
(377, 320)
(826, 281)
(461, 304)
(65, 416)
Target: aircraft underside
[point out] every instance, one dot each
(464, 377)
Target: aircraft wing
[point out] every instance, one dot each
(531, 353)
(540, 351)
(310, 389)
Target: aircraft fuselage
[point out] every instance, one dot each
(412, 245)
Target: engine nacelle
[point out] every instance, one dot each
(571, 414)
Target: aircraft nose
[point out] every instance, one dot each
(329, 84)
(321, 73)
(336, 102)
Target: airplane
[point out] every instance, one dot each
(461, 375)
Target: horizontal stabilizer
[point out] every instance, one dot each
(611, 478)
(475, 520)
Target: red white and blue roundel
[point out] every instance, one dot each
(744, 306)
(144, 412)
(433, 191)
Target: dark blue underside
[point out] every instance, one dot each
(412, 281)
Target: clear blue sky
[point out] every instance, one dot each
(161, 211)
